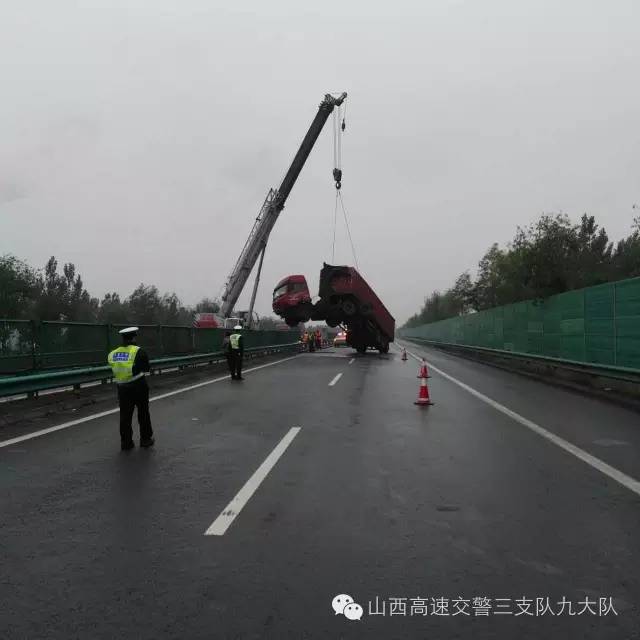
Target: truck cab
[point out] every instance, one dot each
(292, 300)
(207, 321)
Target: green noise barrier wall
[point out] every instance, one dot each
(27, 346)
(599, 325)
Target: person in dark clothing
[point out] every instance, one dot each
(236, 351)
(129, 364)
(311, 342)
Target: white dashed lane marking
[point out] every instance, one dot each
(229, 513)
(333, 382)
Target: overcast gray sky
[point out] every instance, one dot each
(139, 138)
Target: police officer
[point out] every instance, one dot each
(236, 344)
(129, 364)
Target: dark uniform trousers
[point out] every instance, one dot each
(229, 357)
(131, 395)
(235, 363)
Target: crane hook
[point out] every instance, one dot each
(337, 176)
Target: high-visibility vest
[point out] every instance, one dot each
(234, 338)
(121, 362)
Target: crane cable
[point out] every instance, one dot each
(335, 224)
(339, 125)
(337, 171)
(338, 129)
(346, 222)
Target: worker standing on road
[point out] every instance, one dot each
(318, 339)
(311, 341)
(236, 342)
(129, 364)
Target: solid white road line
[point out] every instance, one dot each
(102, 414)
(352, 360)
(335, 380)
(229, 513)
(626, 481)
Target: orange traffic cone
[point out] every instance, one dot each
(423, 373)
(404, 355)
(423, 395)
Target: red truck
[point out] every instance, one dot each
(207, 321)
(292, 301)
(345, 298)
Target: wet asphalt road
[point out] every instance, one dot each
(373, 497)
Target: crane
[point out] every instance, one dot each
(256, 243)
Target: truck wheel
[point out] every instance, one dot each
(361, 348)
(384, 348)
(349, 308)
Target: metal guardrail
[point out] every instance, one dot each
(32, 383)
(627, 374)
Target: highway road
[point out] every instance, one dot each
(509, 509)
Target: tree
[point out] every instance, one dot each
(268, 322)
(626, 256)
(112, 310)
(207, 305)
(490, 278)
(439, 306)
(595, 252)
(173, 312)
(463, 291)
(63, 296)
(145, 305)
(51, 304)
(552, 253)
(550, 256)
(49, 295)
(20, 288)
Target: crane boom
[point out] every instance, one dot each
(271, 208)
